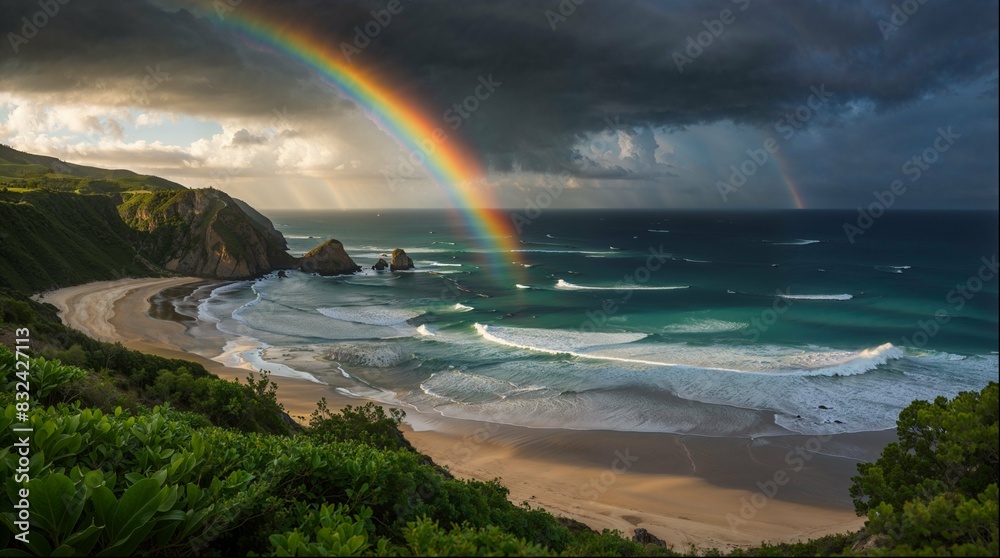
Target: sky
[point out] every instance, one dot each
(725, 104)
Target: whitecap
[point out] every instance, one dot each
(566, 285)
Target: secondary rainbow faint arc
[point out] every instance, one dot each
(449, 163)
(786, 175)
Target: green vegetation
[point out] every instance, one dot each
(935, 491)
(162, 481)
(50, 239)
(24, 170)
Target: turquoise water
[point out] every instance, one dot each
(705, 323)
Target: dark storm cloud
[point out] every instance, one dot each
(562, 76)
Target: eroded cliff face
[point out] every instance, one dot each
(205, 233)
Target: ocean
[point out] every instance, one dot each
(705, 323)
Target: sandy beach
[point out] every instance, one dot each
(709, 492)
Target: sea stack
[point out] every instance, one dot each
(328, 258)
(400, 260)
(380, 265)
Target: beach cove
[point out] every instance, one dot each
(720, 492)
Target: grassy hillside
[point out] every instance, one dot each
(52, 239)
(63, 224)
(19, 171)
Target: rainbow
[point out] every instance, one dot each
(456, 169)
(786, 176)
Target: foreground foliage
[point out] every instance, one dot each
(162, 481)
(935, 491)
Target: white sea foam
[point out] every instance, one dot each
(425, 331)
(370, 315)
(767, 360)
(817, 297)
(462, 307)
(796, 242)
(440, 264)
(552, 340)
(892, 268)
(520, 286)
(704, 326)
(566, 285)
(248, 354)
(658, 231)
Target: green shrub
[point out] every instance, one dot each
(427, 538)
(935, 491)
(368, 424)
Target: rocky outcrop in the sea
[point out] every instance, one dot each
(380, 265)
(328, 258)
(205, 233)
(400, 260)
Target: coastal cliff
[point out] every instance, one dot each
(63, 224)
(205, 233)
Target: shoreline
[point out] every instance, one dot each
(723, 492)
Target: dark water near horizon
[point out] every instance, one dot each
(714, 323)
